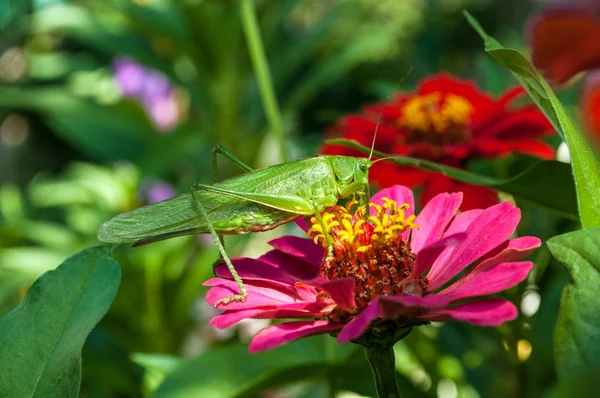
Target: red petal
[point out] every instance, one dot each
(532, 147)
(387, 174)
(510, 95)
(565, 42)
(522, 123)
(446, 83)
(590, 105)
(474, 197)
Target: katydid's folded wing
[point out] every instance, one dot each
(162, 218)
(180, 216)
(228, 214)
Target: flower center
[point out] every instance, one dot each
(436, 119)
(370, 250)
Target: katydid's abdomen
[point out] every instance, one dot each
(256, 201)
(180, 216)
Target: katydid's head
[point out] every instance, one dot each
(361, 170)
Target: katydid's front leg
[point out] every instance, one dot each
(324, 201)
(326, 234)
(243, 292)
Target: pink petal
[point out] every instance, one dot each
(299, 310)
(277, 335)
(462, 221)
(395, 306)
(511, 250)
(250, 269)
(301, 222)
(433, 219)
(488, 312)
(261, 295)
(427, 255)
(294, 266)
(356, 327)
(492, 227)
(398, 193)
(340, 290)
(304, 249)
(489, 280)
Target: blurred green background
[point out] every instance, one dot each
(78, 146)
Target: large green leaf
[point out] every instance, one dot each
(576, 342)
(585, 164)
(536, 184)
(42, 338)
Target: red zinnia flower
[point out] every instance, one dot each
(450, 121)
(566, 41)
(387, 273)
(590, 105)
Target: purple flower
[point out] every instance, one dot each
(152, 89)
(160, 191)
(130, 76)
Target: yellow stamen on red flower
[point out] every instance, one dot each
(371, 250)
(436, 119)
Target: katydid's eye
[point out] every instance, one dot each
(363, 167)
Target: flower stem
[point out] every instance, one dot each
(330, 346)
(261, 68)
(381, 359)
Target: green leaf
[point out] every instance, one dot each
(156, 367)
(90, 28)
(42, 338)
(576, 342)
(11, 204)
(232, 372)
(585, 164)
(580, 385)
(536, 184)
(287, 375)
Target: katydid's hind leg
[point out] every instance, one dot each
(218, 149)
(221, 238)
(243, 292)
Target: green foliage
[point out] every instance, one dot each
(536, 184)
(585, 163)
(229, 372)
(42, 338)
(580, 385)
(577, 347)
(89, 154)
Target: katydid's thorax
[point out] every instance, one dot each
(352, 174)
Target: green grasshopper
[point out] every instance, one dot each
(258, 200)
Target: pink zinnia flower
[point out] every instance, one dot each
(389, 273)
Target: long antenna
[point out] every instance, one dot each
(387, 100)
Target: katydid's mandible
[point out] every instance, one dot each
(258, 200)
